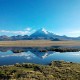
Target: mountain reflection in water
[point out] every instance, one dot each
(12, 55)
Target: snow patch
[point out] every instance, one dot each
(46, 32)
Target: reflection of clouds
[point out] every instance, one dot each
(76, 54)
(27, 55)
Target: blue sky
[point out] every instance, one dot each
(25, 16)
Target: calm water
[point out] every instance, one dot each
(32, 55)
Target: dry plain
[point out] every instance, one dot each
(38, 43)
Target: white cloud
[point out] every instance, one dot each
(75, 32)
(15, 32)
(4, 31)
(27, 31)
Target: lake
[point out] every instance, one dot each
(9, 56)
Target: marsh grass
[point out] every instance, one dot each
(56, 70)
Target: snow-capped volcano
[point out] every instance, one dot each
(42, 33)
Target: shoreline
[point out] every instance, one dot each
(29, 71)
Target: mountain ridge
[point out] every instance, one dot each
(39, 34)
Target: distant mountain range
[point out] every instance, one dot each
(39, 35)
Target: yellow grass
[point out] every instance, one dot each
(42, 43)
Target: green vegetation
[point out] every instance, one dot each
(59, 49)
(56, 70)
(64, 49)
(17, 51)
(48, 49)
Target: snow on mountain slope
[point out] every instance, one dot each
(42, 33)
